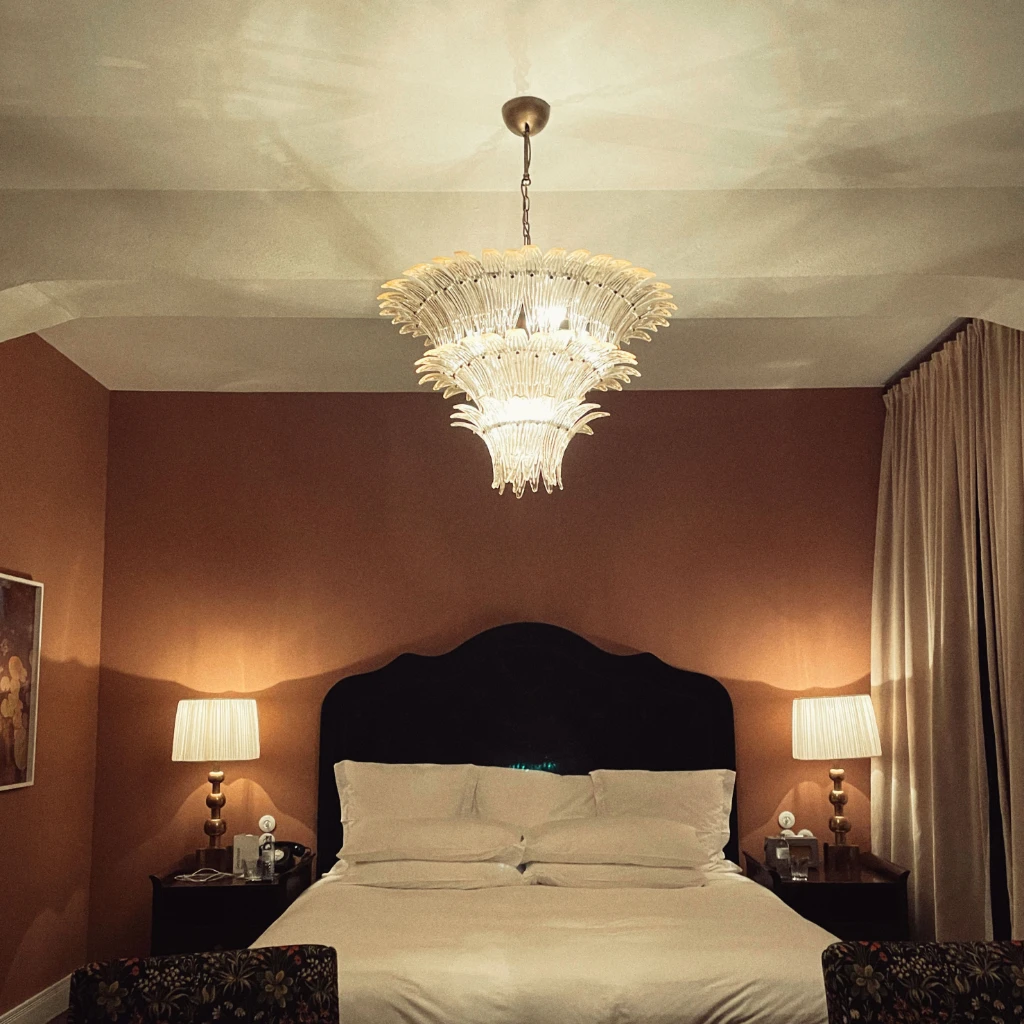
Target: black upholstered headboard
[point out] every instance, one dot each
(529, 695)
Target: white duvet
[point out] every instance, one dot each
(728, 951)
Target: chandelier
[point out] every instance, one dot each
(525, 335)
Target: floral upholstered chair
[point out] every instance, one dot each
(275, 985)
(914, 982)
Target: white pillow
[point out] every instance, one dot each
(531, 797)
(612, 876)
(702, 799)
(369, 789)
(650, 842)
(426, 874)
(444, 839)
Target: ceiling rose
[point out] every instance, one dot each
(527, 334)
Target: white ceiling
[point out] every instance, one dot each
(206, 196)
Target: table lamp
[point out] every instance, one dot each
(835, 729)
(217, 729)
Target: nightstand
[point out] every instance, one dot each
(871, 905)
(194, 917)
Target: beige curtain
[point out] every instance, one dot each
(1001, 514)
(951, 500)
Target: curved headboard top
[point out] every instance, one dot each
(525, 695)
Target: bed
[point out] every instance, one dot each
(536, 696)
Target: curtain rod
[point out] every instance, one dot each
(926, 353)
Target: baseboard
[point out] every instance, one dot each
(42, 1007)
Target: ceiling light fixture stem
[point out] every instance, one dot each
(524, 186)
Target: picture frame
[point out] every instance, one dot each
(809, 843)
(777, 851)
(21, 627)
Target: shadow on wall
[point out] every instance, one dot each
(150, 810)
(770, 780)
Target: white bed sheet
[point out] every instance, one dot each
(729, 951)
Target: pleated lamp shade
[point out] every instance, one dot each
(217, 729)
(834, 728)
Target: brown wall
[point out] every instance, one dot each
(53, 477)
(272, 544)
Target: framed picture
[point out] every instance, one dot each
(808, 846)
(21, 621)
(778, 852)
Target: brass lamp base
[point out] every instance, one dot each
(215, 857)
(839, 823)
(842, 862)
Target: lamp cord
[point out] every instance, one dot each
(524, 185)
(204, 875)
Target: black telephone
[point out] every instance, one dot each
(285, 855)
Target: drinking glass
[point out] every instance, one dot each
(799, 862)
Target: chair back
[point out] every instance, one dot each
(914, 982)
(271, 985)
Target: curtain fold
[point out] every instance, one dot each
(1001, 507)
(951, 507)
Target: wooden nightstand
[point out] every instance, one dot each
(872, 906)
(194, 917)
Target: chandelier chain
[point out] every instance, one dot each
(524, 185)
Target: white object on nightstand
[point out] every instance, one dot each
(246, 859)
(787, 819)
